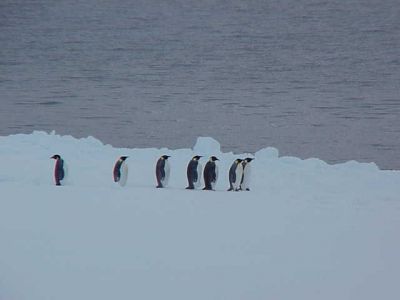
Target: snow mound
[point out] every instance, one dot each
(267, 153)
(207, 146)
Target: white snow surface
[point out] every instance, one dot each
(306, 230)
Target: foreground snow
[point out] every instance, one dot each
(307, 230)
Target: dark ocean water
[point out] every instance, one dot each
(311, 78)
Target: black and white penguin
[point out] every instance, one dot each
(59, 169)
(194, 173)
(245, 183)
(120, 171)
(162, 171)
(235, 175)
(210, 174)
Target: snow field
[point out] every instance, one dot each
(306, 230)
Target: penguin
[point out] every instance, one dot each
(210, 174)
(120, 171)
(162, 171)
(245, 182)
(235, 175)
(194, 173)
(59, 169)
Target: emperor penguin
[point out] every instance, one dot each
(210, 174)
(194, 173)
(59, 169)
(245, 183)
(235, 175)
(162, 171)
(120, 171)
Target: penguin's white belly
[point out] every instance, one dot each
(239, 175)
(197, 183)
(246, 177)
(124, 174)
(65, 179)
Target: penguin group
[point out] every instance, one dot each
(239, 175)
(239, 172)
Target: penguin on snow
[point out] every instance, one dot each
(120, 171)
(194, 173)
(245, 183)
(235, 175)
(59, 169)
(162, 171)
(210, 174)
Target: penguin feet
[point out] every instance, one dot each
(230, 189)
(207, 188)
(190, 188)
(159, 186)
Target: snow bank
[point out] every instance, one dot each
(306, 230)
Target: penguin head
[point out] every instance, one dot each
(165, 156)
(238, 160)
(213, 158)
(123, 158)
(196, 157)
(56, 156)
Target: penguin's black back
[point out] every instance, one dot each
(232, 172)
(192, 175)
(232, 175)
(209, 175)
(117, 170)
(160, 171)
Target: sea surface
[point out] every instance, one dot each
(312, 78)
